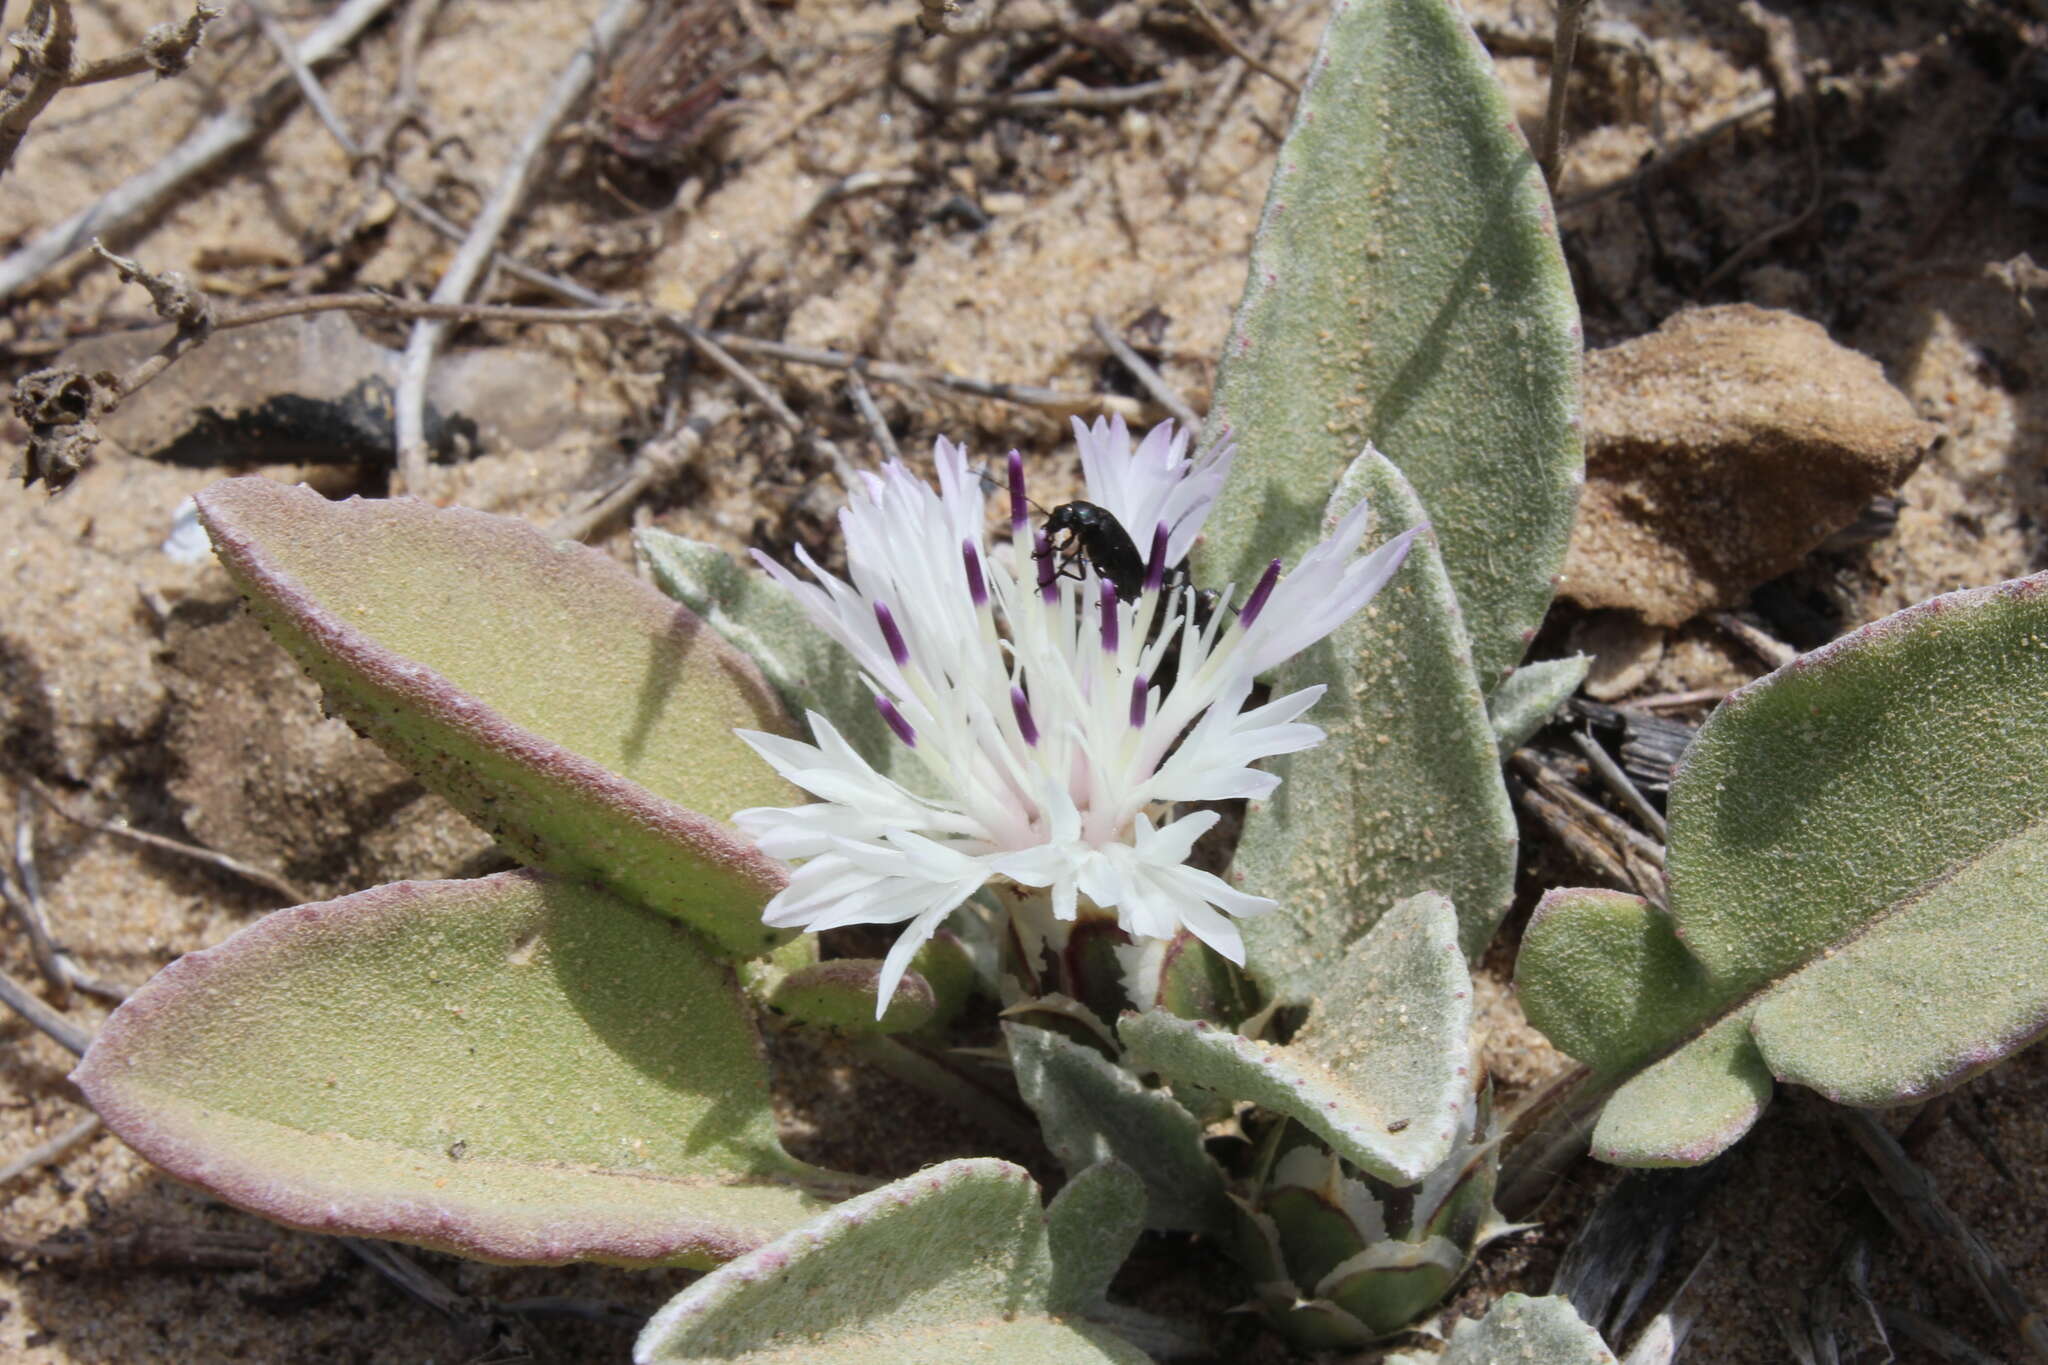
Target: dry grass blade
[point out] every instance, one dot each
(1910, 1201)
(43, 1154)
(24, 1002)
(248, 872)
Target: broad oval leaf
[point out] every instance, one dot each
(1380, 1071)
(1407, 289)
(1404, 796)
(1093, 1111)
(1529, 1331)
(808, 668)
(567, 708)
(946, 1265)
(1859, 874)
(1090, 1227)
(517, 1068)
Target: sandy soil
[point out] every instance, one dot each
(978, 244)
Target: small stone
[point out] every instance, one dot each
(1720, 450)
(1624, 650)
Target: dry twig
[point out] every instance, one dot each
(43, 57)
(1153, 382)
(1907, 1195)
(25, 1003)
(656, 462)
(214, 142)
(1228, 42)
(248, 872)
(46, 1153)
(22, 890)
(409, 420)
(1795, 100)
(1564, 46)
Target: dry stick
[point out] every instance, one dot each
(23, 1002)
(1594, 853)
(1760, 103)
(46, 1153)
(1917, 1202)
(1788, 78)
(1563, 47)
(205, 149)
(864, 403)
(657, 461)
(1162, 392)
(310, 89)
(166, 49)
(43, 55)
(1228, 42)
(1617, 782)
(1766, 646)
(177, 301)
(22, 891)
(269, 880)
(409, 419)
(1668, 701)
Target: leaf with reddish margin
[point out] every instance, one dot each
(573, 712)
(1859, 875)
(517, 1068)
(955, 1263)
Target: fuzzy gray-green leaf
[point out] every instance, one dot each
(1381, 1069)
(1859, 873)
(1407, 289)
(1093, 1110)
(1090, 1227)
(1525, 1330)
(517, 1068)
(808, 668)
(1405, 796)
(569, 709)
(1522, 703)
(946, 1265)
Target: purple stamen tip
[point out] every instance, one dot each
(977, 586)
(1139, 690)
(1019, 504)
(1041, 551)
(1021, 705)
(1108, 616)
(1155, 565)
(896, 721)
(1256, 603)
(891, 636)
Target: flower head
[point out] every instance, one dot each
(1058, 719)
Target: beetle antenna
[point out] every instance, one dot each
(991, 484)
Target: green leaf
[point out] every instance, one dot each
(1381, 1069)
(840, 994)
(1519, 707)
(1859, 873)
(1525, 1330)
(1407, 289)
(946, 1265)
(808, 668)
(572, 712)
(1090, 1227)
(518, 1068)
(1093, 1110)
(1404, 797)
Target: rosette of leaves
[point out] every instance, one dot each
(1341, 1259)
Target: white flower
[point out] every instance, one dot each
(1033, 696)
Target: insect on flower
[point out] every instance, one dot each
(1055, 737)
